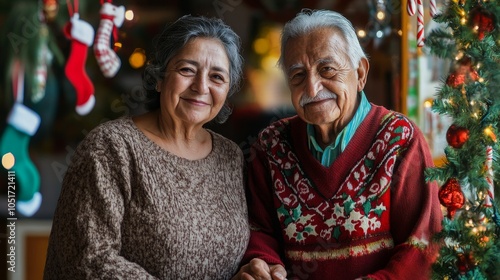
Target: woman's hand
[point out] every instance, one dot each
(258, 269)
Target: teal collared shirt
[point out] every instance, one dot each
(332, 151)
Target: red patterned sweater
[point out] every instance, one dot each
(370, 214)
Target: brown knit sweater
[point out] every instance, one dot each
(131, 210)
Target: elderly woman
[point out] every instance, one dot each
(157, 196)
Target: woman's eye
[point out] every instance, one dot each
(186, 71)
(218, 78)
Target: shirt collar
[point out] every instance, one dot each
(345, 135)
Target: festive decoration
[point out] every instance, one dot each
(22, 124)
(416, 6)
(457, 136)
(470, 237)
(465, 263)
(482, 21)
(464, 72)
(81, 35)
(112, 17)
(451, 196)
(50, 9)
(490, 194)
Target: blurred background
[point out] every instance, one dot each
(401, 78)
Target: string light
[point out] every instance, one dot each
(380, 15)
(129, 15)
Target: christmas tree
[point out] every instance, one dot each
(470, 95)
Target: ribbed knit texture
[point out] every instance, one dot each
(370, 213)
(131, 210)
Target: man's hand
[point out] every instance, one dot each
(258, 269)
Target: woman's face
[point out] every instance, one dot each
(196, 82)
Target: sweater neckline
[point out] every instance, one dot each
(160, 151)
(322, 176)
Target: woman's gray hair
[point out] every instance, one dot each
(308, 20)
(174, 37)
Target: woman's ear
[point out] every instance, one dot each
(362, 71)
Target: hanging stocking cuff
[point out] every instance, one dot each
(24, 119)
(81, 30)
(117, 13)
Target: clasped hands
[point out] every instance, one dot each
(258, 269)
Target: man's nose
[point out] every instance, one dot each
(313, 84)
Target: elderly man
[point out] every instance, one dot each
(338, 191)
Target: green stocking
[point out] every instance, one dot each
(21, 125)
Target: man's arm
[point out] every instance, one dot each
(415, 216)
(265, 236)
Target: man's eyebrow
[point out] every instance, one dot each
(324, 60)
(294, 67)
(320, 61)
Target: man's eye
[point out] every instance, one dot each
(327, 72)
(297, 78)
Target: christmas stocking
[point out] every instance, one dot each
(106, 58)
(81, 35)
(22, 123)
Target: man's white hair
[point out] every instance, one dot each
(308, 20)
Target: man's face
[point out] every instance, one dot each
(323, 83)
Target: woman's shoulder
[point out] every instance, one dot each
(111, 132)
(224, 143)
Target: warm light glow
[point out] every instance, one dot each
(428, 103)
(268, 62)
(489, 132)
(463, 21)
(476, 28)
(380, 15)
(400, 32)
(361, 33)
(8, 161)
(459, 55)
(137, 58)
(117, 46)
(261, 46)
(481, 80)
(129, 15)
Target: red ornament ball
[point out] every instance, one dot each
(456, 136)
(464, 72)
(455, 79)
(483, 21)
(465, 262)
(451, 196)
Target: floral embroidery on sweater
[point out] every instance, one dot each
(360, 207)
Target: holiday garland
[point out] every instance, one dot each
(470, 95)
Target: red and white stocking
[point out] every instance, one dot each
(111, 18)
(81, 34)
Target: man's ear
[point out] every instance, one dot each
(362, 71)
